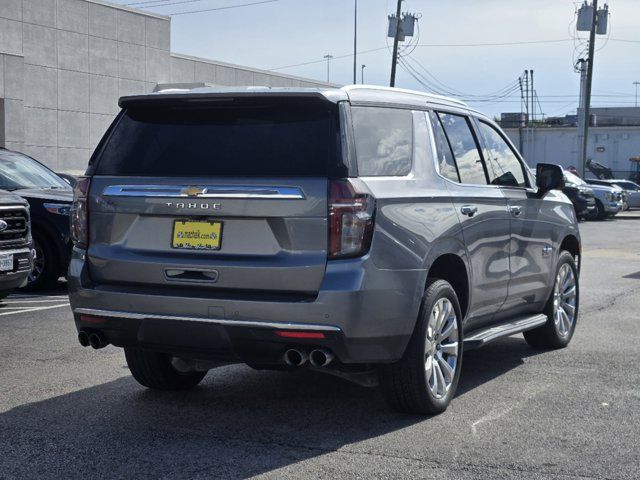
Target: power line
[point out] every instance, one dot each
(222, 8)
(320, 61)
(160, 2)
(494, 44)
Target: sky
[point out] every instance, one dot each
(450, 55)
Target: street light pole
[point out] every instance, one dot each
(328, 56)
(362, 74)
(355, 39)
(636, 84)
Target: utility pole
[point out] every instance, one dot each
(587, 89)
(521, 122)
(533, 105)
(396, 39)
(582, 68)
(636, 84)
(355, 39)
(362, 74)
(328, 56)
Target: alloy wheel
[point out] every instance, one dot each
(441, 348)
(38, 263)
(564, 300)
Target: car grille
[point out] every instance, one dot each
(17, 231)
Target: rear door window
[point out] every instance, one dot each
(503, 165)
(464, 147)
(446, 162)
(384, 140)
(245, 138)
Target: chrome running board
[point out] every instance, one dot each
(480, 338)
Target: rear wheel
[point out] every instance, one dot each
(154, 370)
(561, 308)
(425, 380)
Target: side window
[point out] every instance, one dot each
(464, 147)
(446, 162)
(502, 163)
(384, 140)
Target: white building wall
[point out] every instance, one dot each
(610, 146)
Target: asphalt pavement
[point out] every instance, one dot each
(72, 412)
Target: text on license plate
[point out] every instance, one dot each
(6, 263)
(201, 235)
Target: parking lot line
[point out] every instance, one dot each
(13, 302)
(34, 309)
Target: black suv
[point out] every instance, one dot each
(50, 198)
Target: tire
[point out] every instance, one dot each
(46, 269)
(407, 385)
(598, 213)
(559, 329)
(154, 370)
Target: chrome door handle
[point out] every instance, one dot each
(515, 210)
(468, 210)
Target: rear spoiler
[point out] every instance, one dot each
(190, 97)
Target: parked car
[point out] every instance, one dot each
(631, 189)
(16, 252)
(608, 199)
(581, 197)
(50, 198)
(371, 233)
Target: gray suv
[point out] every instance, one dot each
(372, 233)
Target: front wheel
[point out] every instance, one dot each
(45, 270)
(154, 370)
(561, 308)
(425, 380)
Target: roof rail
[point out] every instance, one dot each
(428, 96)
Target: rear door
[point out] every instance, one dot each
(482, 210)
(531, 247)
(229, 195)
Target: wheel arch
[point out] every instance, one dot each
(452, 268)
(572, 244)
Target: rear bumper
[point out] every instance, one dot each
(366, 315)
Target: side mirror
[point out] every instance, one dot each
(549, 177)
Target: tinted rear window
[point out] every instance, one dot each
(384, 140)
(230, 138)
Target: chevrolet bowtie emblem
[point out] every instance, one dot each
(193, 191)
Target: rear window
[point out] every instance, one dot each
(384, 140)
(229, 138)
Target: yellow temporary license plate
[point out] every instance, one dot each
(197, 235)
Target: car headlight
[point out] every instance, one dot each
(58, 208)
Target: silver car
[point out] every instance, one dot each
(370, 233)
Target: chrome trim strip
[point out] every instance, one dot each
(218, 321)
(15, 251)
(206, 191)
(15, 207)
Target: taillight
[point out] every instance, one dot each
(351, 209)
(79, 213)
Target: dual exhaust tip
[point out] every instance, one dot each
(317, 358)
(96, 340)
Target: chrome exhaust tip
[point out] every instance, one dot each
(83, 338)
(96, 340)
(320, 358)
(295, 358)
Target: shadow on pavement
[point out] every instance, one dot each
(239, 423)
